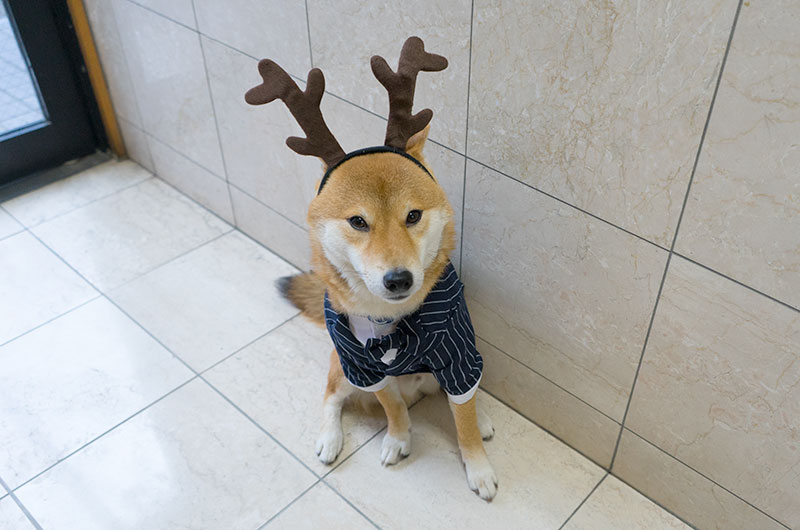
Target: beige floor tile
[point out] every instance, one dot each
(616, 505)
(116, 239)
(72, 379)
(8, 226)
(541, 480)
(36, 286)
(280, 380)
(11, 517)
(212, 301)
(320, 509)
(189, 461)
(78, 190)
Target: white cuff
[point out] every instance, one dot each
(466, 396)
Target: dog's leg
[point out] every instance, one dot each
(331, 438)
(480, 474)
(484, 423)
(397, 440)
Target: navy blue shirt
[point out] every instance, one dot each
(437, 338)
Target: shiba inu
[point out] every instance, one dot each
(381, 231)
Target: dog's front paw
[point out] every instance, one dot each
(394, 449)
(329, 445)
(481, 477)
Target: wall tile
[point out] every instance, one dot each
(363, 29)
(683, 491)
(550, 407)
(743, 213)
(178, 10)
(136, 144)
(166, 64)
(253, 137)
(720, 383)
(112, 57)
(600, 104)
(195, 181)
(272, 230)
(273, 29)
(568, 295)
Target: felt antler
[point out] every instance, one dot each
(304, 106)
(400, 85)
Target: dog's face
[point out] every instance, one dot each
(381, 221)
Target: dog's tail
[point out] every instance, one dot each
(305, 291)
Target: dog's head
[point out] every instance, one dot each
(381, 226)
(385, 225)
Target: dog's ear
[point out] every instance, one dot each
(417, 142)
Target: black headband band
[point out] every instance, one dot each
(368, 151)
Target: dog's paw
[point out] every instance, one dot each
(329, 445)
(481, 477)
(395, 449)
(485, 425)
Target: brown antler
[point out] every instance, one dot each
(413, 59)
(304, 106)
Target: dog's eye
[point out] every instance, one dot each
(358, 223)
(413, 217)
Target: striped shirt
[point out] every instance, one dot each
(437, 338)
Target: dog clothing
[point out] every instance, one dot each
(437, 338)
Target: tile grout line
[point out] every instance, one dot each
(230, 184)
(103, 434)
(605, 475)
(714, 482)
(308, 32)
(466, 144)
(276, 514)
(214, 113)
(65, 313)
(28, 514)
(734, 280)
(678, 226)
(347, 501)
(548, 379)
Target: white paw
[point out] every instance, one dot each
(485, 425)
(481, 477)
(329, 445)
(395, 449)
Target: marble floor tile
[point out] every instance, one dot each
(279, 381)
(68, 194)
(320, 508)
(212, 301)
(8, 226)
(11, 517)
(116, 239)
(615, 505)
(36, 286)
(541, 480)
(72, 379)
(189, 461)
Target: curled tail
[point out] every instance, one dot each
(306, 292)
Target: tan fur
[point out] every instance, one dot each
(382, 188)
(305, 291)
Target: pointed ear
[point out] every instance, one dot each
(417, 142)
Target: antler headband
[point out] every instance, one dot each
(305, 106)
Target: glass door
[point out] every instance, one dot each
(47, 112)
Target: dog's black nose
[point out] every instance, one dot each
(398, 280)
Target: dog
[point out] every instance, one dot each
(381, 231)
